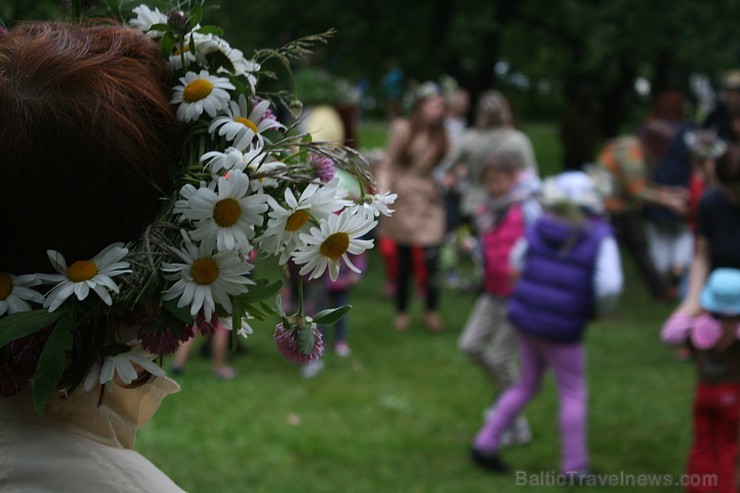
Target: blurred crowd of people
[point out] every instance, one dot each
(547, 252)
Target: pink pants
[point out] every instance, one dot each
(568, 366)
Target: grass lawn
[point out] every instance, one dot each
(399, 414)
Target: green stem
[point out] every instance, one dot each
(300, 298)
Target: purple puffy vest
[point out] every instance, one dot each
(553, 298)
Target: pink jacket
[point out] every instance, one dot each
(497, 242)
(703, 330)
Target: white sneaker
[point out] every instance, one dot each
(312, 368)
(517, 433)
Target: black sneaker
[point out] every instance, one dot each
(491, 462)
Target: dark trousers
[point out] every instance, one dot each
(405, 271)
(630, 231)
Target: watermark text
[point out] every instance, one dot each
(618, 479)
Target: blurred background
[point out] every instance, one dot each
(544, 56)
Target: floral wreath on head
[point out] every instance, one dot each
(246, 183)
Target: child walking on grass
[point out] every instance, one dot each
(570, 272)
(713, 338)
(487, 338)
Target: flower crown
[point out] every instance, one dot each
(248, 184)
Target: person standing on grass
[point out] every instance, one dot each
(713, 338)
(570, 273)
(718, 228)
(624, 161)
(416, 146)
(487, 338)
(493, 131)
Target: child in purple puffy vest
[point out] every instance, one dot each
(570, 271)
(487, 338)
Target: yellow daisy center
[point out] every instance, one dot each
(247, 123)
(204, 270)
(197, 90)
(296, 220)
(82, 270)
(335, 246)
(227, 212)
(176, 50)
(6, 285)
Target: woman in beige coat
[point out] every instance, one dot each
(417, 145)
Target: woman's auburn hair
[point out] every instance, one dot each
(89, 140)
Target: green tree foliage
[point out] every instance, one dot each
(12, 11)
(603, 42)
(553, 45)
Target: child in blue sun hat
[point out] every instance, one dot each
(714, 340)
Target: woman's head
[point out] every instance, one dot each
(429, 106)
(89, 140)
(492, 111)
(89, 143)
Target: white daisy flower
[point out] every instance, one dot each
(261, 175)
(241, 126)
(206, 278)
(84, 275)
(233, 158)
(146, 18)
(186, 193)
(189, 57)
(244, 331)
(123, 366)
(288, 221)
(374, 205)
(177, 58)
(200, 92)
(333, 240)
(16, 292)
(238, 65)
(227, 213)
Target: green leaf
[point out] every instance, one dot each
(196, 14)
(167, 44)
(279, 305)
(254, 311)
(159, 27)
(305, 339)
(23, 324)
(261, 291)
(331, 316)
(270, 310)
(52, 362)
(215, 30)
(180, 313)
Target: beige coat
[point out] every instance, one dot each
(419, 217)
(77, 446)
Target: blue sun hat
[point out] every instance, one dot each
(721, 294)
